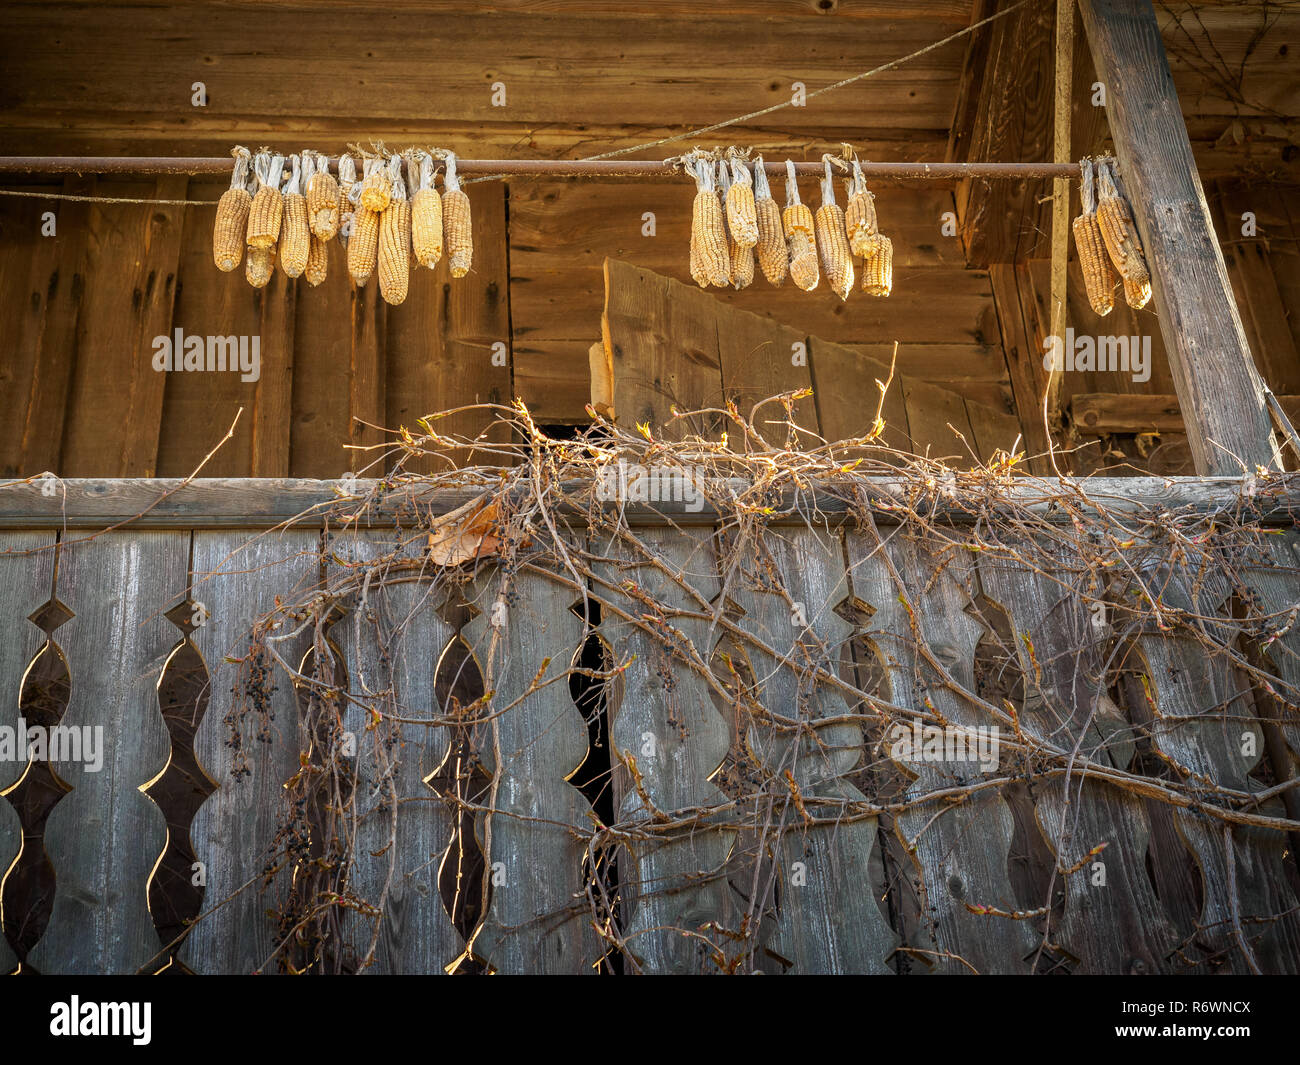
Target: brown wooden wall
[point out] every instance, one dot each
(968, 311)
(80, 310)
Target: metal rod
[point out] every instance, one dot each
(600, 168)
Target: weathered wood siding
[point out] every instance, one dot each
(824, 891)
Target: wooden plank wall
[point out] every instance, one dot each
(81, 397)
(791, 602)
(560, 232)
(670, 346)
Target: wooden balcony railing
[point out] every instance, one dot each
(499, 757)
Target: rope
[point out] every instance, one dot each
(701, 131)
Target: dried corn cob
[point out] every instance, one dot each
(1094, 260)
(878, 266)
(773, 256)
(267, 209)
(295, 233)
(457, 227)
(1118, 230)
(710, 257)
(395, 239)
(259, 265)
(1137, 294)
(860, 212)
(230, 229)
(742, 215)
(323, 199)
(318, 261)
(741, 259)
(347, 198)
(363, 245)
(376, 189)
(833, 239)
(798, 222)
(426, 214)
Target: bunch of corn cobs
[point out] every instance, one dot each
(380, 215)
(735, 219)
(1107, 241)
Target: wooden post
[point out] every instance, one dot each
(1220, 390)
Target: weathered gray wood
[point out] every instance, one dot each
(1206, 727)
(1115, 925)
(1218, 386)
(237, 578)
(28, 582)
(257, 503)
(960, 848)
(538, 919)
(105, 837)
(1277, 583)
(666, 730)
(829, 921)
(391, 641)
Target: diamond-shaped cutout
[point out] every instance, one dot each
(50, 616)
(455, 609)
(185, 615)
(732, 610)
(857, 612)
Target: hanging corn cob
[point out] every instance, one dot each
(231, 227)
(267, 209)
(395, 239)
(259, 266)
(710, 257)
(322, 196)
(347, 204)
(376, 189)
(742, 218)
(363, 244)
(426, 211)
(1137, 294)
(859, 212)
(295, 233)
(833, 239)
(798, 222)
(1094, 260)
(878, 266)
(1121, 238)
(318, 260)
(773, 256)
(457, 226)
(741, 259)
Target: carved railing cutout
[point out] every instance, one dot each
(310, 837)
(1000, 681)
(592, 688)
(893, 875)
(28, 889)
(176, 889)
(464, 784)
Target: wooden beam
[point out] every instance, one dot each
(1096, 413)
(1219, 389)
(263, 503)
(1010, 65)
(1024, 357)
